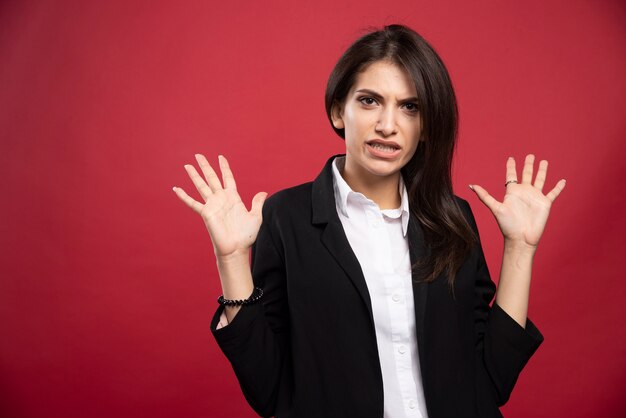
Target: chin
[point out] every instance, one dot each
(384, 169)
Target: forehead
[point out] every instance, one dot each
(385, 78)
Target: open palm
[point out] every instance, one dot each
(233, 229)
(523, 213)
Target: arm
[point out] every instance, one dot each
(506, 338)
(522, 217)
(514, 284)
(236, 279)
(503, 347)
(254, 341)
(233, 229)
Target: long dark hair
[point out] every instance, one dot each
(427, 176)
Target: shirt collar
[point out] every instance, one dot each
(342, 191)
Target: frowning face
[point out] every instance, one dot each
(381, 119)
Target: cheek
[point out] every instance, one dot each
(356, 126)
(415, 142)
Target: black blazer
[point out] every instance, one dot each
(309, 349)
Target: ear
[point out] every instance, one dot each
(336, 114)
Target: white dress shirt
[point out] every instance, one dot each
(378, 239)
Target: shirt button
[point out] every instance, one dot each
(396, 298)
(412, 404)
(402, 349)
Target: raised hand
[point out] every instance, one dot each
(233, 229)
(523, 213)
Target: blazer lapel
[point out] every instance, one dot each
(324, 213)
(417, 250)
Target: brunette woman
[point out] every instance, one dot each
(368, 293)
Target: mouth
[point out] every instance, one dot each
(383, 149)
(383, 145)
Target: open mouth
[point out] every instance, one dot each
(382, 148)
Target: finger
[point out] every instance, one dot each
(209, 174)
(227, 175)
(511, 174)
(201, 186)
(196, 206)
(554, 193)
(257, 203)
(540, 180)
(527, 172)
(485, 197)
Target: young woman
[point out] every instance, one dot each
(368, 294)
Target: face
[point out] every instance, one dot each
(382, 122)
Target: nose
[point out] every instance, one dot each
(386, 124)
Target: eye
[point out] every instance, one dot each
(368, 101)
(411, 107)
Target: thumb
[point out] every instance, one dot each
(257, 203)
(484, 196)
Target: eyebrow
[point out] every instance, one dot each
(378, 96)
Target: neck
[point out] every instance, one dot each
(383, 190)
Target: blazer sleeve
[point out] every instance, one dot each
(256, 340)
(503, 347)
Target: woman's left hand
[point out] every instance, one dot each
(523, 213)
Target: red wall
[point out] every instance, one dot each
(108, 280)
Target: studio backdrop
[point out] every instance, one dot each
(108, 282)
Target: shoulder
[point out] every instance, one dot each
(466, 209)
(291, 195)
(463, 204)
(292, 200)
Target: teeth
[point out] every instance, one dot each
(382, 147)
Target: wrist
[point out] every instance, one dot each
(234, 258)
(235, 275)
(517, 246)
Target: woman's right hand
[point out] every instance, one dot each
(233, 229)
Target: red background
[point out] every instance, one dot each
(109, 281)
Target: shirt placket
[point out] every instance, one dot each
(400, 333)
(379, 239)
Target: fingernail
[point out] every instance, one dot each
(471, 187)
(174, 188)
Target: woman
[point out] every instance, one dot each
(368, 294)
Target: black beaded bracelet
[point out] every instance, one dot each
(255, 296)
